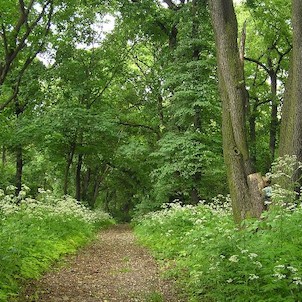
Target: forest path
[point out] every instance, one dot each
(113, 268)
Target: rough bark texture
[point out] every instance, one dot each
(255, 183)
(234, 102)
(291, 125)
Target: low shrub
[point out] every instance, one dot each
(35, 232)
(214, 260)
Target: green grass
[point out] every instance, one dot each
(36, 233)
(214, 260)
(154, 297)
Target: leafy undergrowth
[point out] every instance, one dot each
(35, 233)
(216, 261)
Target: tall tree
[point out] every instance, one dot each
(291, 125)
(246, 198)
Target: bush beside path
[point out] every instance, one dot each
(113, 268)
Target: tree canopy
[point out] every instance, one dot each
(173, 102)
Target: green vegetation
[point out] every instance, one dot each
(36, 232)
(174, 102)
(215, 261)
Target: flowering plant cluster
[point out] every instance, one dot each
(216, 260)
(35, 232)
(65, 207)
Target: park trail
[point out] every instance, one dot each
(112, 268)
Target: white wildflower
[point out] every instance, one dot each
(234, 258)
(41, 191)
(258, 264)
(253, 255)
(292, 269)
(229, 280)
(11, 188)
(297, 281)
(279, 276)
(280, 266)
(253, 277)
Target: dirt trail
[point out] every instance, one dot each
(113, 268)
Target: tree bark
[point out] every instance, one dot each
(78, 177)
(252, 130)
(291, 124)
(274, 114)
(96, 189)
(86, 183)
(234, 105)
(196, 178)
(19, 151)
(67, 168)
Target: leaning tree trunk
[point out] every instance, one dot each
(246, 200)
(291, 124)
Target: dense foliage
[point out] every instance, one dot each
(36, 232)
(115, 105)
(214, 260)
(106, 115)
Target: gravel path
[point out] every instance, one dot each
(113, 268)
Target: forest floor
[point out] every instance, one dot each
(112, 268)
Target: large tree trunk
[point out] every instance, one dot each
(291, 124)
(234, 102)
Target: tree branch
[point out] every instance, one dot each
(242, 42)
(171, 4)
(258, 63)
(28, 61)
(114, 71)
(12, 53)
(281, 56)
